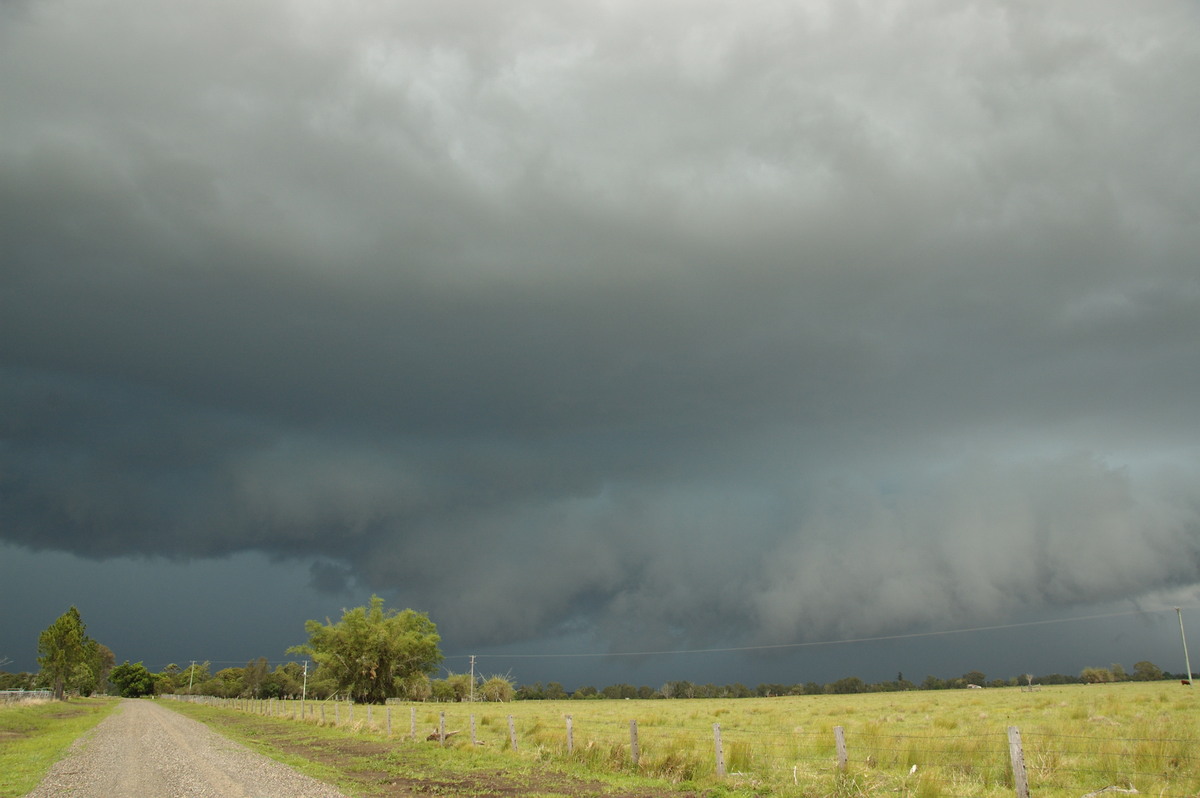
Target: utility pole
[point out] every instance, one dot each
(191, 675)
(304, 688)
(472, 678)
(1187, 663)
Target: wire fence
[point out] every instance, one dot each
(830, 761)
(17, 696)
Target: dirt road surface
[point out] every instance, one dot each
(145, 751)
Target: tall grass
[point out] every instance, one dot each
(35, 735)
(944, 744)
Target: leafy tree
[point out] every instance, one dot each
(18, 681)
(417, 687)
(974, 677)
(531, 692)
(847, 685)
(167, 680)
(442, 690)
(231, 682)
(370, 652)
(193, 677)
(254, 677)
(497, 688)
(1146, 671)
(93, 674)
(66, 654)
(455, 687)
(555, 691)
(620, 691)
(132, 681)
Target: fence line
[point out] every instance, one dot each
(16, 696)
(867, 761)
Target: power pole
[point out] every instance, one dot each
(1187, 663)
(304, 688)
(191, 675)
(472, 678)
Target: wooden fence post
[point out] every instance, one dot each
(839, 735)
(442, 728)
(512, 732)
(389, 721)
(337, 713)
(368, 716)
(634, 754)
(720, 751)
(570, 735)
(1017, 755)
(473, 729)
(322, 713)
(412, 723)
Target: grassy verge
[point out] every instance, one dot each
(371, 765)
(931, 744)
(34, 736)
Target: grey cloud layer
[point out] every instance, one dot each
(745, 322)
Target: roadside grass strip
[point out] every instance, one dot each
(35, 735)
(1077, 740)
(364, 762)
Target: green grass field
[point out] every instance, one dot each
(35, 735)
(932, 744)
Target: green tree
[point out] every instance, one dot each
(417, 687)
(93, 674)
(847, 685)
(254, 678)
(531, 692)
(65, 653)
(1096, 675)
(191, 678)
(497, 688)
(18, 681)
(455, 687)
(167, 680)
(1146, 671)
(370, 652)
(231, 682)
(976, 678)
(441, 690)
(132, 681)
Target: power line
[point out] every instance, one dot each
(812, 644)
(768, 646)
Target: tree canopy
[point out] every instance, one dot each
(70, 660)
(373, 653)
(132, 681)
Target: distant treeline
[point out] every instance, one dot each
(1142, 671)
(260, 681)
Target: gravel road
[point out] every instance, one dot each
(143, 750)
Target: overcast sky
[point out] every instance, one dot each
(597, 327)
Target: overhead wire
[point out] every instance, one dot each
(815, 643)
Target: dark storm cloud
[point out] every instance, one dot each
(675, 323)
